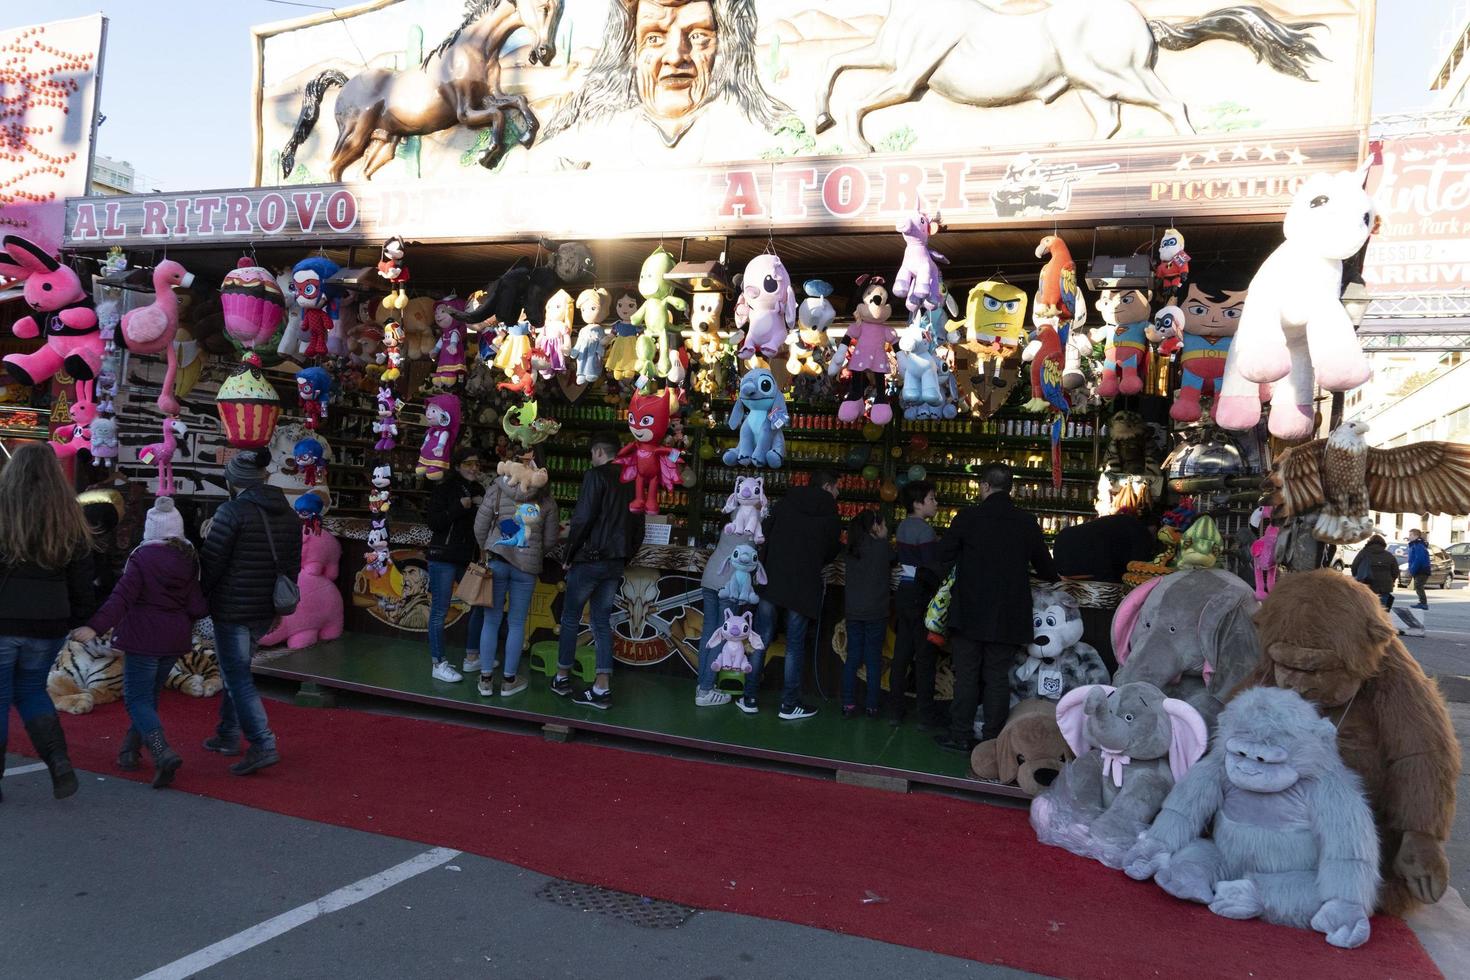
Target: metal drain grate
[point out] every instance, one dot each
(649, 913)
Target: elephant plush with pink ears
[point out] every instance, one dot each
(1294, 332)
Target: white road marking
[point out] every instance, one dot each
(22, 770)
(340, 899)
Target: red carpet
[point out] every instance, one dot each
(957, 877)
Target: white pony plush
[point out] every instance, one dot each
(1294, 332)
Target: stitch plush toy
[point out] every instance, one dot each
(309, 287)
(1294, 333)
(918, 277)
(514, 532)
(453, 344)
(654, 315)
(594, 305)
(759, 416)
(733, 639)
(1292, 839)
(769, 305)
(867, 357)
(314, 387)
(746, 572)
(748, 503)
(1132, 745)
(1056, 661)
(1125, 314)
(441, 414)
(55, 291)
(647, 464)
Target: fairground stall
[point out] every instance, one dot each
(493, 226)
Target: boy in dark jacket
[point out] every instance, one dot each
(918, 580)
(993, 546)
(602, 538)
(803, 535)
(452, 546)
(152, 612)
(1378, 569)
(253, 537)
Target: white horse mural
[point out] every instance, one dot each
(1105, 50)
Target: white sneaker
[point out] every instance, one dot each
(486, 686)
(711, 698)
(444, 672)
(516, 686)
(471, 664)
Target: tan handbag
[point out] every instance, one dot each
(477, 586)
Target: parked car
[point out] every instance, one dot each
(1441, 565)
(1460, 555)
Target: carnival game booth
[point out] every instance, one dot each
(347, 322)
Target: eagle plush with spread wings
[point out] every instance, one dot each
(1347, 479)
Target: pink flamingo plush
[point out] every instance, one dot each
(150, 329)
(1263, 555)
(161, 454)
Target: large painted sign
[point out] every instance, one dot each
(454, 92)
(1421, 186)
(48, 100)
(1236, 175)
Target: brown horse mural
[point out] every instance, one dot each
(458, 84)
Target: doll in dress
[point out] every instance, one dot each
(622, 357)
(452, 346)
(555, 336)
(869, 338)
(594, 305)
(441, 415)
(514, 349)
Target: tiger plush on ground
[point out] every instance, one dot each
(85, 675)
(196, 673)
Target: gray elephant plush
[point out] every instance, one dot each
(1189, 634)
(1293, 840)
(1132, 744)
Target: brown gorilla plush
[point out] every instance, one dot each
(1327, 638)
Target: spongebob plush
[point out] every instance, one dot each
(995, 323)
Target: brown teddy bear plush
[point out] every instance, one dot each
(1327, 638)
(1030, 751)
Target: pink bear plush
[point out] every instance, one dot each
(319, 616)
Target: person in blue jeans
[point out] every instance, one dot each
(716, 574)
(45, 590)
(803, 534)
(517, 525)
(253, 537)
(452, 546)
(602, 538)
(869, 577)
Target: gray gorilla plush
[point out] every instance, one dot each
(1293, 840)
(1132, 744)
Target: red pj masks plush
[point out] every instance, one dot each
(646, 462)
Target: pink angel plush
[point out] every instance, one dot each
(733, 639)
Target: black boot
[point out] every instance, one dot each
(256, 758)
(166, 761)
(50, 742)
(127, 756)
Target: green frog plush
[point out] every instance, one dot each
(1201, 545)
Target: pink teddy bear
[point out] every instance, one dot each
(734, 638)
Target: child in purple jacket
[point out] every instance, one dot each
(152, 611)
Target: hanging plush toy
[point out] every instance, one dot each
(252, 305)
(522, 378)
(377, 561)
(380, 499)
(594, 306)
(310, 459)
(385, 426)
(1058, 301)
(523, 424)
(622, 357)
(759, 416)
(54, 291)
(309, 287)
(161, 455)
(394, 273)
(917, 281)
(647, 464)
(391, 356)
(417, 318)
(658, 299)
(1125, 314)
(745, 571)
(995, 324)
(1263, 551)
(309, 508)
(452, 346)
(769, 305)
(150, 329)
(868, 340)
(555, 335)
(1173, 267)
(441, 415)
(1294, 333)
(921, 363)
(733, 639)
(314, 387)
(1207, 326)
(706, 349)
(515, 349)
(749, 505)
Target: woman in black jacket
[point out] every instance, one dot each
(45, 591)
(452, 546)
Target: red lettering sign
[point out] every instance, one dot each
(237, 215)
(270, 213)
(341, 211)
(155, 214)
(742, 196)
(306, 205)
(845, 191)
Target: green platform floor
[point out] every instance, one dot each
(647, 706)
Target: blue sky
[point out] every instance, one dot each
(176, 86)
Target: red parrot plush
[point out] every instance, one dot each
(1056, 304)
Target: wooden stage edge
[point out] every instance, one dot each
(886, 776)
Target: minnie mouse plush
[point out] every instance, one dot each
(869, 338)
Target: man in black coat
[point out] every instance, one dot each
(803, 534)
(602, 538)
(253, 537)
(452, 546)
(993, 545)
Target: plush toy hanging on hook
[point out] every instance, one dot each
(918, 281)
(767, 305)
(654, 315)
(314, 386)
(1057, 302)
(647, 463)
(56, 292)
(759, 416)
(309, 286)
(441, 415)
(394, 273)
(868, 340)
(161, 454)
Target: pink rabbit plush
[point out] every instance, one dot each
(734, 638)
(52, 289)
